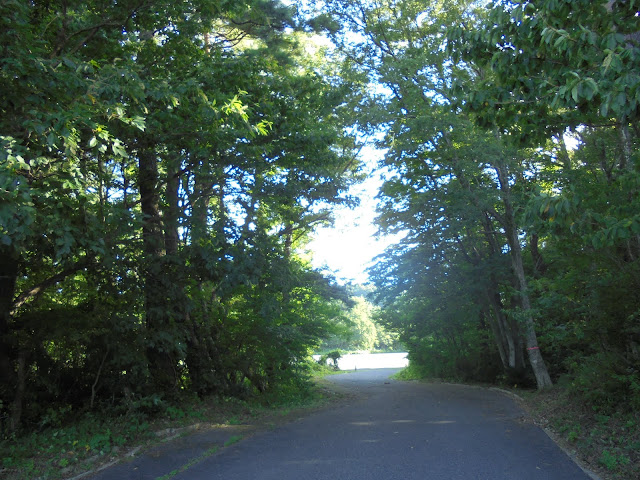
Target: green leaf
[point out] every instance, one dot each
(69, 63)
(607, 61)
(139, 123)
(574, 92)
(118, 149)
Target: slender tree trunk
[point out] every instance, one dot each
(626, 146)
(200, 201)
(288, 244)
(540, 371)
(507, 336)
(172, 210)
(497, 335)
(504, 334)
(506, 331)
(152, 232)
(539, 265)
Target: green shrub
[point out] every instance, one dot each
(605, 382)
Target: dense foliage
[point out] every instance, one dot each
(161, 165)
(511, 134)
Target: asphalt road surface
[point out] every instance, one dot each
(398, 430)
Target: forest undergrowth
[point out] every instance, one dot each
(68, 445)
(607, 444)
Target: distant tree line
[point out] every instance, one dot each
(360, 329)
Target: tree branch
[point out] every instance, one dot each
(93, 30)
(37, 290)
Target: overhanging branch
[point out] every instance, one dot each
(37, 290)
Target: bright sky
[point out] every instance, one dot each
(349, 247)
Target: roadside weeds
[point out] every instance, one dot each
(90, 445)
(608, 445)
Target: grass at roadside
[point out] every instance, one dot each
(411, 372)
(606, 444)
(66, 448)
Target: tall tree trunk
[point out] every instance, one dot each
(506, 331)
(540, 371)
(200, 343)
(152, 232)
(8, 276)
(160, 364)
(200, 201)
(497, 336)
(18, 398)
(507, 334)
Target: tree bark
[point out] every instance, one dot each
(539, 265)
(208, 200)
(8, 276)
(160, 364)
(626, 146)
(16, 408)
(152, 233)
(172, 210)
(497, 335)
(200, 202)
(288, 245)
(540, 371)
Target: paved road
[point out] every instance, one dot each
(398, 430)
